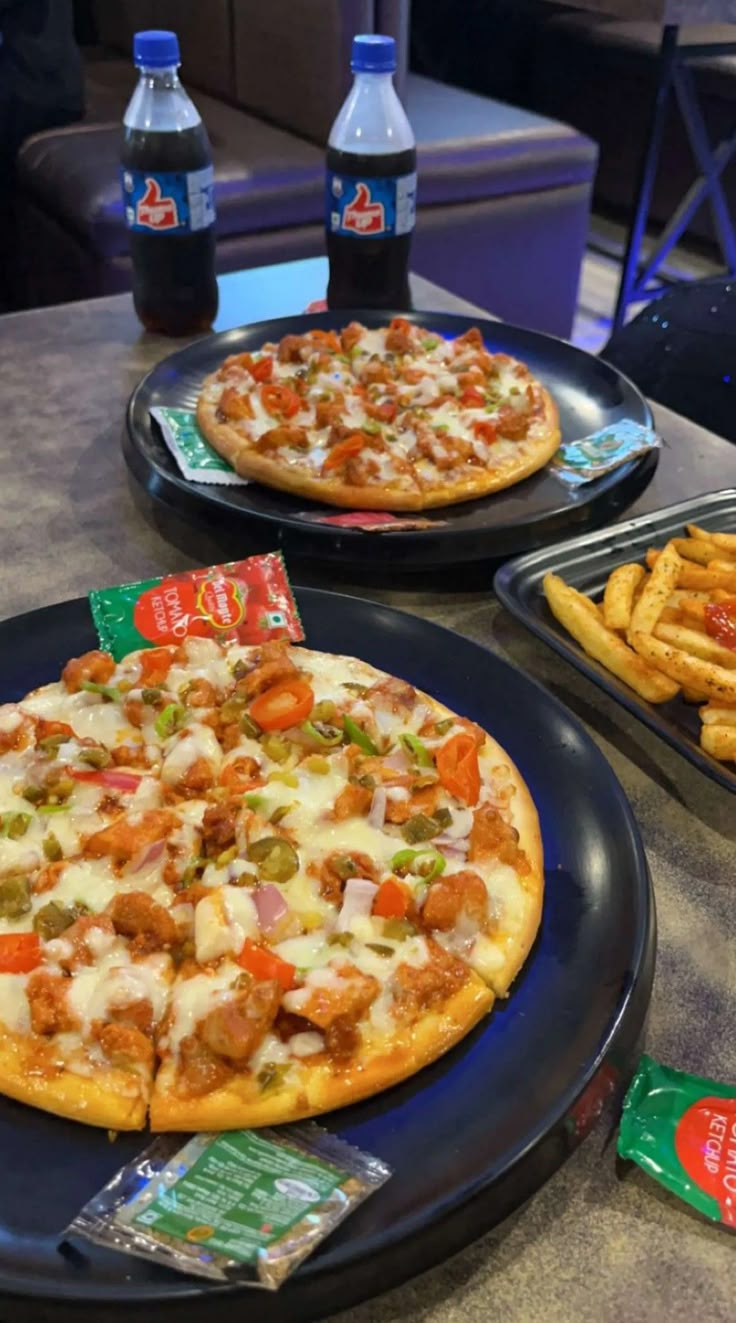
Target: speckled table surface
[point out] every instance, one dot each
(588, 1246)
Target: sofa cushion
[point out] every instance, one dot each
(265, 178)
(616, 55)
(469, 148)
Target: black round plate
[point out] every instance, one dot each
(590, 394)
(468, 1138)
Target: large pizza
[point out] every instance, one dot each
(388, 419)
(241, 886)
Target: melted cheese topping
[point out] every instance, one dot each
(15, 1013)
(449, 407)
(194, 997)
(295, 797)
(115, 981)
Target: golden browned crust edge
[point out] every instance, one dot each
(111, 1098)
(117, 1100)
(240, 1105)
(526, 822)
(249, 463)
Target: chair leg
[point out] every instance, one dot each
(648, 172)
(707, 160)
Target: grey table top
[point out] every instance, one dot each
(588, 1246)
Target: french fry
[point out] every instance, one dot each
(618, 598)
(591, 606)
(715, 681)
(721, 595)
(700, 534)
(692, 695)
(568, 606)
(680, 595)
(652, 557)
(695, 549)
(725, 541)
(720, 565)
(700, 577)
(697, 644)
(692, 611)
(718, 716)
(663, 579)
(719, 741)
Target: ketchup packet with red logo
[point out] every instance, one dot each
(681, 1129)
(245, 601)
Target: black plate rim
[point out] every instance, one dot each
(505, 587)
(457, 545)
(372, 1248)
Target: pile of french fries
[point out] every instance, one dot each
(650, 631)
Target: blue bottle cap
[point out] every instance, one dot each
(373, 54)
(155, 49)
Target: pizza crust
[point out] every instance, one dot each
(111, 1098)
(250, 463)
(526, 821)
(116, 1099)
(321, 1088)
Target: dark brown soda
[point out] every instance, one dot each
(174, 286)
(369, 273)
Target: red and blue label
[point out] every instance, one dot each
(371, 208)
(168, 201)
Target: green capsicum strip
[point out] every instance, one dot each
(170, 720)
(357, 736)
(109, 692)
(416, 750)
(427, 864)
(321, 737)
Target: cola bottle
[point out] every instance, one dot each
(371, 186)
(168, 195)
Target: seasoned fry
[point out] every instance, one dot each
(698, 576)
(719, 741)
(697, 644)
(715, 681)
(591, 606)
(692, 611)
(618, 598)
(652, 628)
(726, 542)
(568, 606)
(695, 549)
(663, 579)
(718, 716)
(680, 595)
(700, 534)
(692, 695)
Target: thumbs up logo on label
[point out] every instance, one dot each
(363, 215)
(155, 211)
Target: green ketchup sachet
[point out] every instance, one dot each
(681, 1129)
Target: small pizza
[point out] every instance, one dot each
(244, 885)
(389, 419)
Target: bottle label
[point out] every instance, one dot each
(163, 201)
(371, 208)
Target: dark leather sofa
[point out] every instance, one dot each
(600, 74)
(593, 71)
(504, 194)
